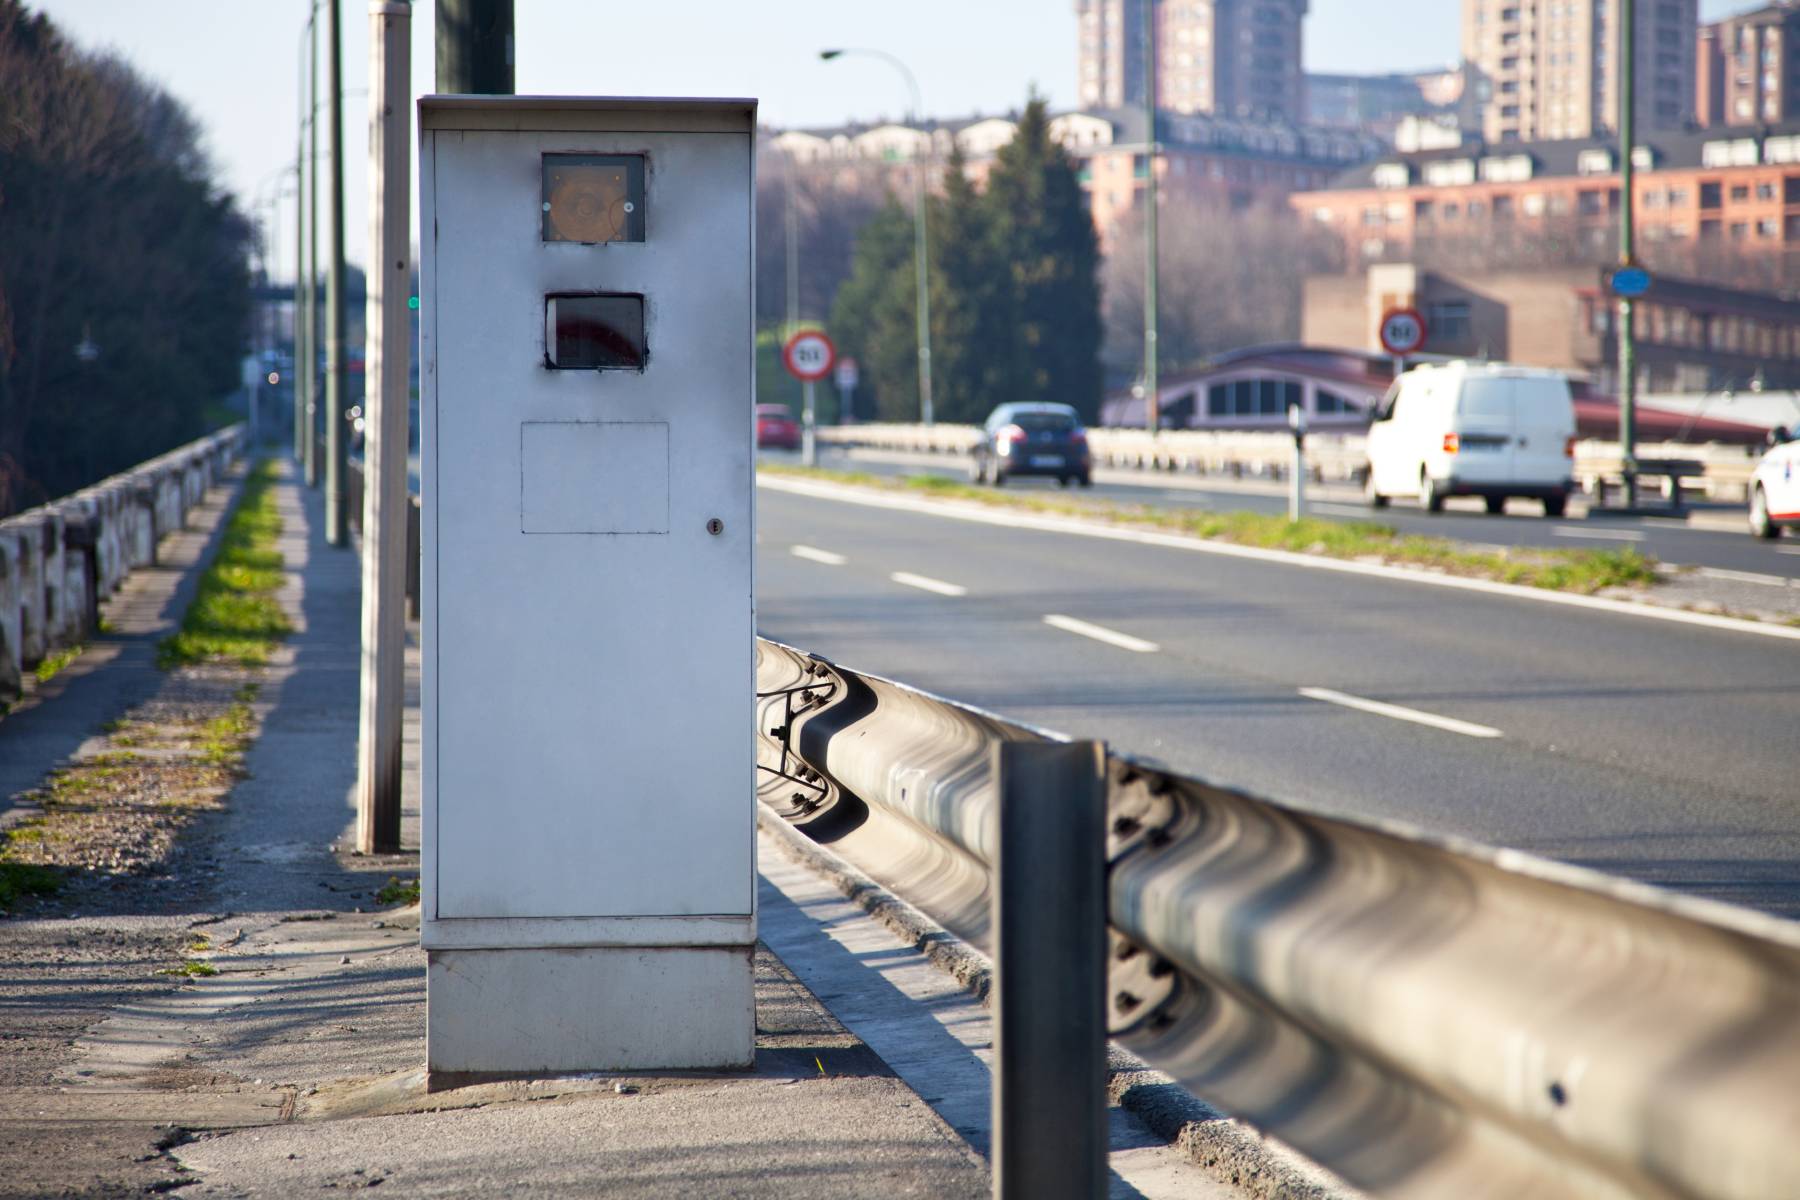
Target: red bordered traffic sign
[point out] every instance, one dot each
(1402, 330)
(809, 355)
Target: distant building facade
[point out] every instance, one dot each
(1737, 191)
(1235, 163)
(1689, 336)
(1748, 68)
(1236, 58)
(1549, 69)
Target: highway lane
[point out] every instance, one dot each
(1668, 539)
(1665, 752)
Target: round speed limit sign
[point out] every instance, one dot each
(1402, 331)
(809, 355)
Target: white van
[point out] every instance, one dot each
(1474, 429)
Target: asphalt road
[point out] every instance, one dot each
(1660, 751)
(1668, 539)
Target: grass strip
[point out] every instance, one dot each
(398, 891)
(1584, 571)
(234, 616)
(56, 661)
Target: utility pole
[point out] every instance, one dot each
(475, 47)
(1627, 248)
(337, 531)
(385, 411)
(302, 296)
(310, 458)
(1152, 415)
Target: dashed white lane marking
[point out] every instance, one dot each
(1743, 576)
(1612, 535)
(1467, 728)
(926, 583)
(814, 554)
(1787, 550)
(1100, 633)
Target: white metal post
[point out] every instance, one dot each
(385, 500)
(809, 454)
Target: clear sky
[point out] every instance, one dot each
(236, 62)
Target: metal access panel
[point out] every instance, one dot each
(586, 478)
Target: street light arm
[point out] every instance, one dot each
(912, 84)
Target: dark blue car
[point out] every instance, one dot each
(1032, 439)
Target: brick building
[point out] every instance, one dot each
(1739, 192)
(1689, 336)
(1748, 68)
(1237, 58)
(1549, 69)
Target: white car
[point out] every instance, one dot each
(1775, 488)
(1474, 429)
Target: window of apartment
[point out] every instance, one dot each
(1765, 190)
(1327, 402)
(1739, 193)
(1790, 190)
(1476, 210)
(1451, 212)
(1533, 204)
(1594, 162)
(1793, 229)
(1654, 198)
(1503, 208)
(1709, 229)
(1421, 210)
(1739, 230)
(1709, 194)
(1768, 228)
(1590, 204)
(1559, 204)
(1448, 320)
(1678, 197)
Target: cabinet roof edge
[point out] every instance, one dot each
(598, 114)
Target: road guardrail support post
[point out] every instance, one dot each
(1050, 1133)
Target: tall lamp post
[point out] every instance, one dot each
(1627, 248)
(919, 238)
(1152, 387)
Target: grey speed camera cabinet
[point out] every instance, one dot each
(587, 745)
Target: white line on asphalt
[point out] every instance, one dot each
(812, 554)
(1787, 550)
(1341, 510)
(1068, 526)
(926, 583)
(1100, 633)
(1616, 535)
(1743, 576)
(1400, 714)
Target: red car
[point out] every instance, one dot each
(776, 428)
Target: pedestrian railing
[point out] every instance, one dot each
(1425, 1016)
(60, 560)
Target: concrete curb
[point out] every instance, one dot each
(1223, 1147)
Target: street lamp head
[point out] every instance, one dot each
(828, 55)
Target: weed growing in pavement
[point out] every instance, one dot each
(192, 968)
(23, 878)
(398, 891)
(234, 616)
(46, 670)
(1584, 571)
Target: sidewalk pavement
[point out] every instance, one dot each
(298, 1067)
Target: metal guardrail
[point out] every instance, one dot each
(60, 560)
(1424, 1016)
(1720, 472)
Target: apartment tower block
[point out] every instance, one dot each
(1235, 58)
(1549, 69)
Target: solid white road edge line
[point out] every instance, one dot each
(1100, 633)
(1611, 535)
(1743, 576)
(813, 554)
(926, 583)
(1144, 537)
(1467, 728)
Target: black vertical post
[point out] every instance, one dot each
(1050, 1131)
(475, 47)
(336, 319)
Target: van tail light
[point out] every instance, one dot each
(1568, 447)
(1452, 443)
(1005, 436)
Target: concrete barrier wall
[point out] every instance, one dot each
(59, 560)
(1331, 457)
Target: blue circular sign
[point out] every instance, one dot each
(1629, 282)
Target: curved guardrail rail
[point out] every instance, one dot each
(1427, 1017)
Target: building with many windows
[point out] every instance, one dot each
(1748, 68)
(1549, 69)
(1237, 58)
(1738, 192)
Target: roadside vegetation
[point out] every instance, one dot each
(235, 617)
(1585, 571)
